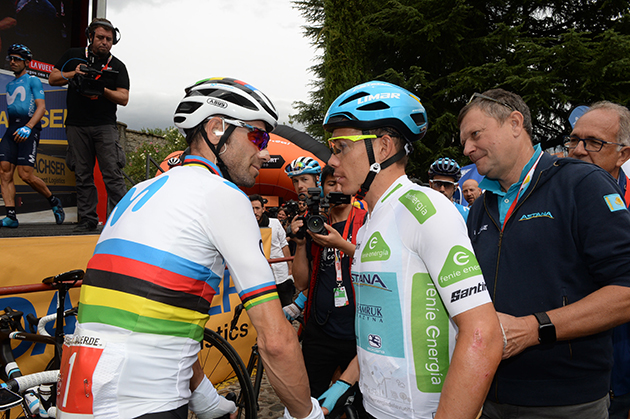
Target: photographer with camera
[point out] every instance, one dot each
(322, 265)
(98, 83)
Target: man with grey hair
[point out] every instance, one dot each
(602, 136)
(553, 242)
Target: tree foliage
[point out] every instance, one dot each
(556, 54)
(136, 167)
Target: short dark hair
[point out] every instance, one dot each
(500, 110)
(327, 171)
(257, 197)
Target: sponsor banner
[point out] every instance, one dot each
(429, 334)
(53, 171)
(64, 253)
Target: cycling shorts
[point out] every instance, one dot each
(20, 154)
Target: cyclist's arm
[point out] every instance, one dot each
(282, 357)
(475, 359)
(39, 113)
(351, 374)
(301, 266)
(287, 254)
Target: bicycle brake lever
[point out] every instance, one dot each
(32, 322)
(237, 313)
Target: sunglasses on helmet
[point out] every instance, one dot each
(259, 137)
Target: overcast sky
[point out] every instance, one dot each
(170, 44)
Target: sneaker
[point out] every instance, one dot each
(9, 222)
(85, 225)
(59, 213)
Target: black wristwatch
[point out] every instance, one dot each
(546, 329)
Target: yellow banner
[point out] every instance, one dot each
(52, 170)
(28, 260)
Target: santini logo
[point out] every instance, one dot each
(546, 214)
(217, 103)
(467, 292)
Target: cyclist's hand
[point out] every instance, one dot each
(293, 310)
(330, 397)
(21, 134)
(316, 412)
(207, 404)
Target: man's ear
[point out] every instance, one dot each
(214, 130)
(384, 147)
(516, 122)
(624, 155)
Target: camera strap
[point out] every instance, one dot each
(109, 59)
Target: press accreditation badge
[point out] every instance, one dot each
(341, 299)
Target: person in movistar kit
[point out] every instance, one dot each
(18, 148)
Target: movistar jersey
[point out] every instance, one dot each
(21, 95)
(148, 288)
(413, 270)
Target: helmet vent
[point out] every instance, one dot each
(354, 97)
(187, 107)
(419, 119)
(374, 106)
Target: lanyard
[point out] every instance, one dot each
(524, 186)
(338, 253)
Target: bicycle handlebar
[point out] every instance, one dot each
(20, 384)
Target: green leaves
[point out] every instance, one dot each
(555, 54)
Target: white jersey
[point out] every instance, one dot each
(148, 289)
(413, 270)
(278, 241)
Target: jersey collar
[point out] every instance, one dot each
(192, 160)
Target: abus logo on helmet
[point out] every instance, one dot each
(378, 96)
(217, 103)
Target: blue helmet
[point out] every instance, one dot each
(445, 166)
(303, 166)
(21, 50)
(378, 104)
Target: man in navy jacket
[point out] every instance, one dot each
(552, 237)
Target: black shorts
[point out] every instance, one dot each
(20, 154)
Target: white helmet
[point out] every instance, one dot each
(223, 96)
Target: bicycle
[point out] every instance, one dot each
(36, 392)
(217, 354)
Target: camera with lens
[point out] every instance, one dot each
(94, 81)
(291, 208)
(314, 221)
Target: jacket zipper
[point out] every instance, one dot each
(496, 273)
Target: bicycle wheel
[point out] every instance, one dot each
(218, 357)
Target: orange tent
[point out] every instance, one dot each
(272, 180)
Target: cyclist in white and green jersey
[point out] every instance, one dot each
(427, 332)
